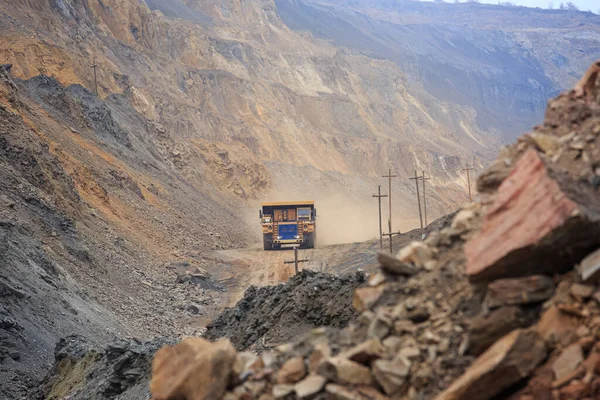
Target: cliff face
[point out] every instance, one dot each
(231, 78)
(503, 62)
(259, 110)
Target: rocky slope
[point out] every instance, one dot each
(84, 203)
(502, 303)
(263, 105)
(401, 85)
(515, 313)
(503, 62)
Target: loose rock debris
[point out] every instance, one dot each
(272, 315)
(518, 267)
(502, 303)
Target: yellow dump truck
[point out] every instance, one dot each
(288, 223)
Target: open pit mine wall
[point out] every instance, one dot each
(230, 81)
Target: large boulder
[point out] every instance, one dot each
(507, 362)
(512, 243)
(194, 369)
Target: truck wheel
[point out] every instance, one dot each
(268, 242)
(310, 241)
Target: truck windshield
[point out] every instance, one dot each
(303, 214)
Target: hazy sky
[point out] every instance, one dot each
(584, 5)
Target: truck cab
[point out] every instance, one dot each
(290, 223)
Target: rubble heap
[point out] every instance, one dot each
(82, 371)
(504, 303)
(271, 315)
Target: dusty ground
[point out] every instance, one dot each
(240, 268)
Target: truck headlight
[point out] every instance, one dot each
(296, 237)
(278, 237)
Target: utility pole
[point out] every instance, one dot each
(94, 66)
(390, 235)
(390, 176)
(416, 178)
(469, 180)
(425, 199)
(379, 196)
(296, 261)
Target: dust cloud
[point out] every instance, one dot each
(341, 219)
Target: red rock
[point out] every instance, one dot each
(575, 391)
(575, 374)
(539, 386)
(592, 363)
(532, 289)
(532, 226)
(568, 361)
(557, 327)
(507, 362)
(485, 330)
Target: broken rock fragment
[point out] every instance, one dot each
(365, 297)
(395, 266)
(415, 253)
(391, 375)
(538, 223)
(464, 220)
(291, 371)
(192, 369)
(486, 329)
(309, 386)
(282, 390)
(568, 361)
(531, 289)
(582, 291)
(507, 362)
(319, 353)
(342, 370)
(338, 392)
(365, 352)
(557, 327)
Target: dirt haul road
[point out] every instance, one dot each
(238, 269)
